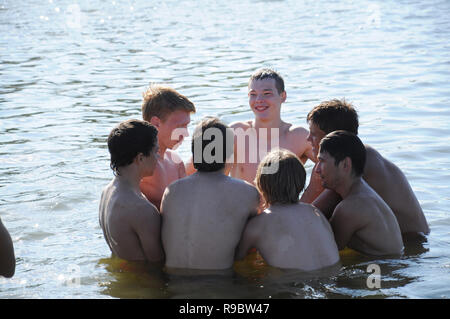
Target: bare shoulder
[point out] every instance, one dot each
(133, 205)
(256, 223)
(243, 191)
(295, 134)
(354, 208)
(173, 157)
(373, 157)
(310, 208)
(372, 151)
(348, 207)
(172, 187)
(298, 131)
(241, 185)
(143, 211)
(240, 124)
(172, 154)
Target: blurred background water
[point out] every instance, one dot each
(70, 70)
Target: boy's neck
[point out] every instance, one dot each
(130, 176)
(161, 150)
(349, 186)
(274, 123)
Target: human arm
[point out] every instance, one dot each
(345, 222)
(326, 202)
(249, 238)
(298, 139)
(7, 257)
(147, 226)
(314, 188)
(308, 154)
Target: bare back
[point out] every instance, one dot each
(130, 224)
(390, 183)
(249, 151)
(292, 236)
(203, 218)
(364, 222)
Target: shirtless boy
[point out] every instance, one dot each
(288, 234)
(382, 175)
(204, 214)
(169, 112)
(130, 223)
(255, 138)
(362, 220)
(266, 93)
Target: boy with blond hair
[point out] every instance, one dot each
(288, 234)
(168, 111)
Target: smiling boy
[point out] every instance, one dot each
(266, 94)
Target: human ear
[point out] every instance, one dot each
(139, 157)
(283, 96)
(155, 121)
(347, 164)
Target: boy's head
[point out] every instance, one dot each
(266, 94)
(130, 139)
(212, 145)
(169, 111)
(331, 116)
(285, 184)
(341, 154)
(263, 74)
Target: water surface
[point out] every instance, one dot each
(71, 70)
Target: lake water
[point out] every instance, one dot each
(71, 70)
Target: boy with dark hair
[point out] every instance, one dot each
(204, 214)
(130, 223)
(362, 220)
(382, 175)
(255, 138)
(267, 131)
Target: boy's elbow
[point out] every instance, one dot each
(9, 271)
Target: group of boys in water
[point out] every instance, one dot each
(232, 196)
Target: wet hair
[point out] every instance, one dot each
(128, 139)
(265, 73)
(212, 144)
(285, 184)
(160, 101)
(342, 144)
(334, 115)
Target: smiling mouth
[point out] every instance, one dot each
(261, 108)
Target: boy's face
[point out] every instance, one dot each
(173, 129)
(264, 99)
(327, 170)
(314, 137)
